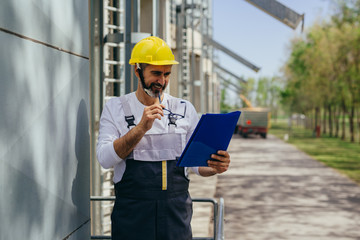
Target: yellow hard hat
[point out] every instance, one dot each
(152, 50)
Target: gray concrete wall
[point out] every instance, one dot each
(44, 119)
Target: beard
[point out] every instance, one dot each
(154, 89)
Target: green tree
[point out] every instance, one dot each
(323, 70)
(225, 106)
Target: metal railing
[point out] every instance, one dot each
(218, 215)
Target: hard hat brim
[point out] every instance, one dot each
(157, 63)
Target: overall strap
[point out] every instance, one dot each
(172, 121)
(129, 117)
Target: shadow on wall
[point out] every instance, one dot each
(82, 142)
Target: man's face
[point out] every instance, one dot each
(156, 78)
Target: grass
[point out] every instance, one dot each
(343, 156)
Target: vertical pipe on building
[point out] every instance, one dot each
(136, 28)
(178, 47)
(180, 24)
(166, 29)
(205, 50)
(208, 58)
(96, 83)
(136, 14)
(203, 94)
(128, 46)
(155, 17)
(192, 54)
(210, 55)
(116, 51)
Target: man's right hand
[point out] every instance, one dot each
(151, 113)
(125, 144)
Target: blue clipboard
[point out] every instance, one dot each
(212, 133)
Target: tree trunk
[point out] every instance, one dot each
(336, 119)
(343, 134)
(330, 121)
(351, 122)
(312, 122)
(358, 121)
(317, 120)
(324, 120)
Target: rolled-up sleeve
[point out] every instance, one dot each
(108, 133)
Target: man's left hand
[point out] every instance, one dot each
(219, 162)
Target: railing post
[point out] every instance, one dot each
(220, 224)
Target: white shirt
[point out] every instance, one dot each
(113, 126)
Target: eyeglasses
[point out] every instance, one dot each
(173, 116)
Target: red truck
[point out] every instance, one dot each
(254, 121)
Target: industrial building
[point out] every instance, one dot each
(60, 62)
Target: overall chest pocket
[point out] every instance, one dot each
(159, 147)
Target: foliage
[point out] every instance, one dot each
(323, 71)
(224, 105)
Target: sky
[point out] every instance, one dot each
(257, 36)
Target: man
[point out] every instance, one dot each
(141, 135)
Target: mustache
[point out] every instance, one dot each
(157, 85)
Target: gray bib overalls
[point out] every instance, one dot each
(152, 198)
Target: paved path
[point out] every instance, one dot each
(274, 191)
